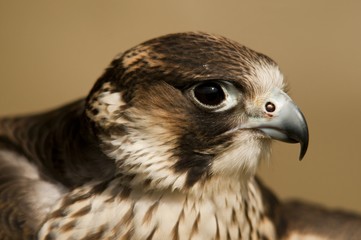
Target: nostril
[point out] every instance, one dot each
(270, 107)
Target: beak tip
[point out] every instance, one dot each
(304, 146)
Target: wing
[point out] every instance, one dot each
(305, 221)
(25, 198)
(40, 157)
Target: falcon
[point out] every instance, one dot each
(165, 146)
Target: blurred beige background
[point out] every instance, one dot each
(51, 52)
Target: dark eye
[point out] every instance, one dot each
(215, 96)
(209, 93)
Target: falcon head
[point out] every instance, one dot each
(183, 108)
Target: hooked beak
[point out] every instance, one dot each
(282, 121)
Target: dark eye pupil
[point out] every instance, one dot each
(209, 94)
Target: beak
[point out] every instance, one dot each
(282, 120)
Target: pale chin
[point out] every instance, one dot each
(243, 155)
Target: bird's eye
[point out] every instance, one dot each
(215, 95)
(210, 94)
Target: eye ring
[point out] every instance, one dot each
(214, 95)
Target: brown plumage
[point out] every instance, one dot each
(165, 146)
